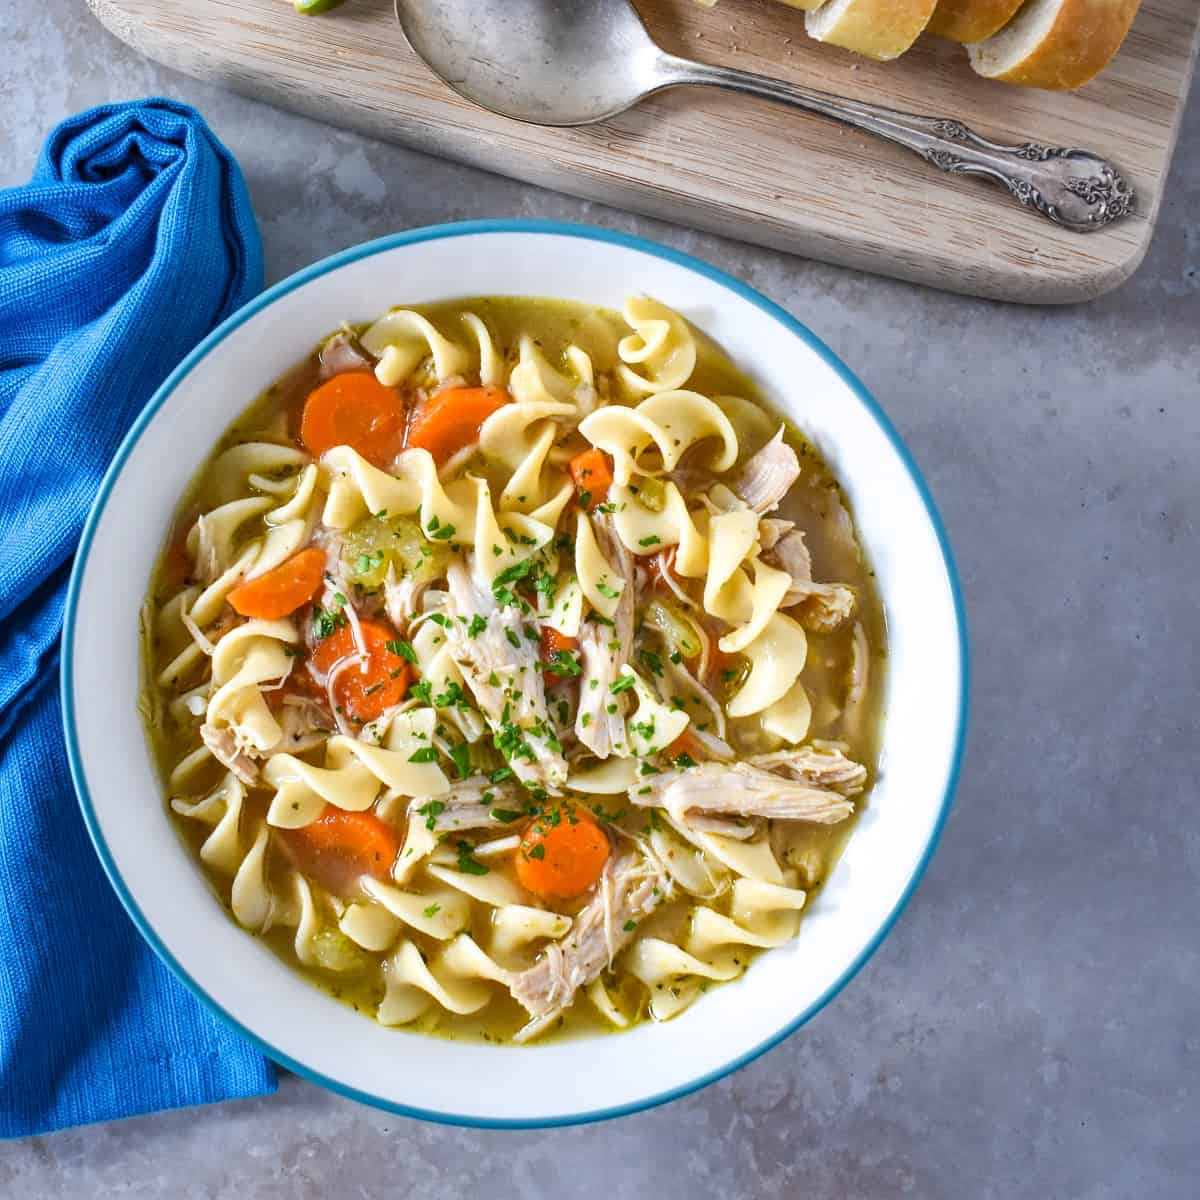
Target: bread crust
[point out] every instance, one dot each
(880, 29)
(1078, 46)
(971, 20)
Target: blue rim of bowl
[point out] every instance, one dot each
(467, 229)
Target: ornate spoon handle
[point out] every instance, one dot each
(1074, 188)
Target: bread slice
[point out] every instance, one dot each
(881, 29)
(971, 20)
(1056, 44)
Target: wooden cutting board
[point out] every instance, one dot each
(733, 164)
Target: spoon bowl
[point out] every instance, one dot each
(547, 62)
(576, 62)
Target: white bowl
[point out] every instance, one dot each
(558, 1083)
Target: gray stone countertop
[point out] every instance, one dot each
(1031, 1027)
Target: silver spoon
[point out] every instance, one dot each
(574, 62)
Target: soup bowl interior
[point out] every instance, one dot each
(571, 1080)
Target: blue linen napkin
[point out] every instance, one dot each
(134, 238)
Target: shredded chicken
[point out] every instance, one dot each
(348, 662)
(771, 530)
(764, 479)
(860, 674)
(207, 565)
(822, 606)
(402, 599)
(681, 682)
(305, 725)
(342, 353)
(501, 667)
(631, 888)
(739, 789)
(225, 749)
(714, 747)
(821, 765)
(739, 830)
(465, 807)
(604, 649)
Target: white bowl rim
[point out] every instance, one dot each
(469, 229)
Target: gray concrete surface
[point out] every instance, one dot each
(1030, 1028)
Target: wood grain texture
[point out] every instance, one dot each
(736, 165)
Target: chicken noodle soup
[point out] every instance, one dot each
(512, 667)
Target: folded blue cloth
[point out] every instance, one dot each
(133, 239)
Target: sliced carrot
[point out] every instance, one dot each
(364, 690)
(449, 420)
(562, 853)
(554, 643)
(592, 473)
(283, 589)
(339, 847)
(354, 409)
(687, 746)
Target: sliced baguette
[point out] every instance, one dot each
(881, 29)
(1057, 44)
(971, 20)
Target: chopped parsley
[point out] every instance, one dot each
(460, 756)
(431, 911)
(403, 649)
(431, 810)
(510, 575)
(652, 661)
(468, 864)
(325, 623)
(511, 743)
(564, 662)
(423, 754)
(477, 626)
(452, 697)
(622, 685)
(538, 851)
(650, 539)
